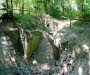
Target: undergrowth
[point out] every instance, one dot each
(26, 22)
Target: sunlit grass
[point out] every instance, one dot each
(81, 23)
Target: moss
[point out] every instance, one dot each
(33, 43)
(16, 40)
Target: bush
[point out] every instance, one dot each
(26, 22)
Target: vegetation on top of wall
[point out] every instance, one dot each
(26, 22)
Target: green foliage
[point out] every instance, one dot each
(73, 14)
(55, 8)
(26, 22)
(80, 23)
(55, 12)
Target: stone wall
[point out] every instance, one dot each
(14, 36)
(30, 42)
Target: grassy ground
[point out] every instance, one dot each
(81, 24)
(81, 41)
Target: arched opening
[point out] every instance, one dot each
(47, 25)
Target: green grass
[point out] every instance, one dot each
(81, 23)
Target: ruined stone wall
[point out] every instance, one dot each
(30, 42)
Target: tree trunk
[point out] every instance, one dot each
(62, 5)
(23, 8)
(82, 10)
(12, 7)
(7, 3)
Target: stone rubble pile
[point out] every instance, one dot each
(65, 65)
